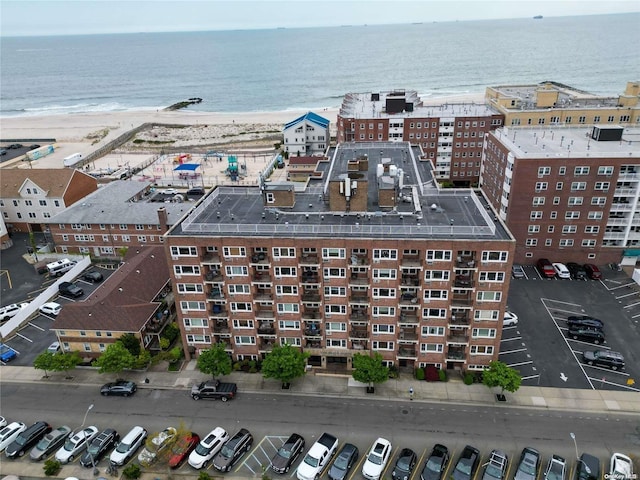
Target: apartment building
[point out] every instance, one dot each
(451, 135)
(119, 215)
(31, 197)
(568, 194)
(308, 134)
(555, 104)
(370, 258)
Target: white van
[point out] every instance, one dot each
(72, 159)
(60, 267)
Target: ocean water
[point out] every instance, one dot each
(273, 70)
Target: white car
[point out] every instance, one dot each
(510, 319)
(11, 311)
(3, 422)
(76, 444)
(561, 270)
(50, 308)
(128, 445)
(208, 447)
(621, 467)
(157, 444)
(377, 459)
(170, 191)
(54, 348)
(9, 433)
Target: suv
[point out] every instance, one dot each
(593, 272)
(377, 459)
(128, 446)
(496, 467)
(545, 267)
(27, 439)
(588, 468)
(10, 311)
(577, 271)
(208, 448)
(70, 289)
(287, 453)
(556, 468)
(604, 358)
(585, 321)
(100, 445)
(232, 450)
(592, 335)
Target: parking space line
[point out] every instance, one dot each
(604, 380)
(530, 377)
(570, 312)
(510, 339)
(36, 326)
(608, 370)
(513, 351)
(601, 347)
(635, 316)
(626, 295)
(22, 336)
(560, 301)
(518, 364)
(631, 305)
(620, 286)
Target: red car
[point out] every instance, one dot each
(182, 448)
(593, 272)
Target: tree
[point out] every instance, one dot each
(45, 362)
(284, 363)
(500, 375)
(131, 343)
(115, 359)
(369, 369)
(215, 361)
(63, 362)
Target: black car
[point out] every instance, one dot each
(346, 459)
(233, 450)
(588, 468)
(592, 335)
(123, 388)
(585, 321)
(467, 464)
(15, 146)
(34, 146)
(69, 289)
(577, 271)
(287, 454)
(3, 151)
(436, 464)
(99, 446)
(405, 464)
(93, 277)
(604, 358)
(27, 439)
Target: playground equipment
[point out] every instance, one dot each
(233, 168)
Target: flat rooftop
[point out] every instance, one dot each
(121, 202)
(424, 211)
(361, 105)
(564, 142)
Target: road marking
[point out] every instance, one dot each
(560, 301)
(22, 336)
(608, 370)
(563, 377)
(621, 286)
(36, 326)
(518, 364)
(530, 377)
(626, 295)
(513, 351)
(510, 339)
(631, 305)
(588, 343)
(635, 316)
(602, 380)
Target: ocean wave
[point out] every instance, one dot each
(76, 108)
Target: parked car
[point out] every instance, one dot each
(92, 277)
(496, 467)
(214, 389)
(9, 433)
(556, 468)
(10, 311)
(592, 335)
(620, 467)
(157, 444)
(99, 447)
(208, 447)
(577, 271)
(528, 465)
(123, 388)
(182, 447)
(34, 146)
(3, 422)
(345, 460)
(233, 450)
(377, 459)
(128, 446)
(69, 289)
(54, 348)
(15, 146)
(509, 319)
(467, 464)
(405, 464)
(593, 272)
(7, 353)
(27, 439)
(50, 443)
(319, 455)
(585, 321)
(588, 468)
(517, 271)
(561, 270)
(436, 463)
(3, 151)
(545, 267)
(50, 308)
(76, 444)
(287, 454)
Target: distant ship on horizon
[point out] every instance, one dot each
(538, 17)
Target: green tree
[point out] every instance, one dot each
(500, 375)
(115, 359)
(44, 361)
(284, 363)
(369, 369)
(215, 361)
(63, 362)
(131, 343)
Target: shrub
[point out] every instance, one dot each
(442, 375)
(204, 476)
(468, 378)
(164, 343)
(420, 373)
(393, 372)
(237, 366)
(52, 467)
(171, 332)
(132, 471)
(431, 374)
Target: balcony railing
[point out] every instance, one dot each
(260, 258)
(463, 281)
(356, 279)
(263, 296)
(461, 320)
(458, 338)
(410, 262)
(215, 293)
(219, 311)
(356, 332)
(310, 278)
(407, 352)
(408, 335)
(308, 259)
(211, 257)
(359, 260)
(456, 354)
(261, 277)
(265, 313)
(313, 331)
(465, 262)
(359, 298)
(408, 318)
(311, 315)
(462, 299)
(266, 328)
(310, 297)
(410, 281)
(220, 327)
(265, 346)
(358, 317)
(213, 276)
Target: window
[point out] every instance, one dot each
(384, 311)
(581, 171)
(556, 200)
(489, 296)
(382, 345)
(485, 315)
(244, 340)
(125, 238)
(494, 256)
(239, 289)
(186, 306)
(139, 227)
(553, 215)
(241, 307)
(602, 186)
(578, 186)
(497, 277)
(385, 254)
(286, 290)
(431, 348)
(186, 269)
(533, 229)
(544, 171)
(538, 201)
(548, 242)
(484, 333)
(384, 293)
(434, 313)
(184, 251)
(385, 273)
(43, 203)
(573, 201)
(383, 328)
(569, 229)
(289, 324)
(236, 271)
(588, 243)
(432, 331)
(437, 275)
(595, 216)
(481, 349)
(535, 215)
(436, 294)
(605, 170)
(190, 288)
(541, 186)
(271, 198)
(566, 242)
(242, 323)
(571, 215)
(335, 291)
(338, 309)
(331, 343)
(234, 251)
(336, 327)
(531, 242)
(199, 339)
(334, 272)
(329, 253)
(288, 308)
(284, 252)
(142, 238)
(195, 322)
(438, 255)
(285, 271)
(591, 229)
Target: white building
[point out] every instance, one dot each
(307, 135)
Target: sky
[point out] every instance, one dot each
(76, 17)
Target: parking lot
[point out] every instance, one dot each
(539, 348)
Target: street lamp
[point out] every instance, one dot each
(84, 433)
(575, 444)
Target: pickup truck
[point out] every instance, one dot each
(214, 389)
(317, 457)
(70, 290)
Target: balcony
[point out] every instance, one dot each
(313, 344)
(226, 341)
(221, 327)
(408, 298)
(459, 319)
(266, 328)
(311, 297)
(465, 262)
(410, 281)
(215, 293)
(259, 258)
(313, 330)
(359, 298)
(358, 316)
(462, 299)
(264, 313)
(456, 354)
(358, 332)
(463, 281)
(457, 338)
(213, 275)
(310, 278)
(411, 261)
(211, 258)
(266, 345)
(408, 352)
(219, 311)
(410, 318)
(359, 279)
(359, 260)
(261, 277)
(263, 295)
(408, 335)
(360, 344)
(311, 314)
(309, 259)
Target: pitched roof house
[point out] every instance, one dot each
(307, 135)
